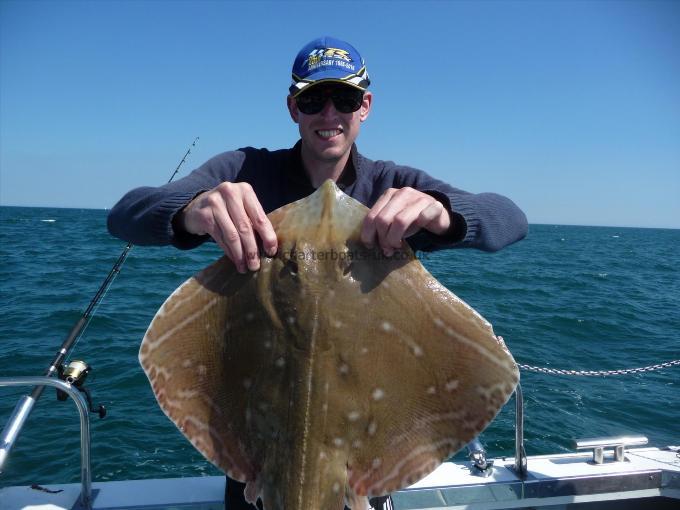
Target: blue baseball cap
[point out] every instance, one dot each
(328, 59)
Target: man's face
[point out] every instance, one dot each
(327, 136)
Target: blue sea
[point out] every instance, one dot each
(592, 298)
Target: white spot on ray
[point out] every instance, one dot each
(343, 368)
(353, 415)
(337, 324)
(372, 428)
(186, 363)
(291, 320)
(386, 326)
(431, 390)
(378, 394)
(451, 385)
(202, 369)
(267, 344)
(376, 463)
(338, 441)
(280, 362)
(250, 316)
(357, 444)
(336, 487)
(247, 383)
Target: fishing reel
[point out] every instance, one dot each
(75, 374)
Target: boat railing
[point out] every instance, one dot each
(23, 409)
(520, 452)
(21, 412)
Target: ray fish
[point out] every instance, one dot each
(330, 375)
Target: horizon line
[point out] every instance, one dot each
(543, 223)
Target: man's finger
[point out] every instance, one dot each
(399, 202)
(227, 237)
(436, 218)
(224, 248)
(408, 221)
(244, 233)
(369, 228)
(261, 224)
(433, 218)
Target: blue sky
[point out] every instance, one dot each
(571, 108)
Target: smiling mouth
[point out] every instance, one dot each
(328, 133)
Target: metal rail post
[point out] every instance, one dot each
(520, 452)
(10, 434)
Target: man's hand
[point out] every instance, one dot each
(400, 213)
(231, 214)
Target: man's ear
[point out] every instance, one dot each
(366, 105)
(293, 109)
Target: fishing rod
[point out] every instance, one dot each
(76, 372)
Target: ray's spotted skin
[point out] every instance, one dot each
(332, 374)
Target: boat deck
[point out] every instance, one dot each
(648, 476)
(552, 480)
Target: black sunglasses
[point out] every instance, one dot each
(345, 99)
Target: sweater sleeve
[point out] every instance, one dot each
(144, 215)
(486, 221)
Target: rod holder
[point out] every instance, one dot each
(481, 466)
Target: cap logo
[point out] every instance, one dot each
(329, 57)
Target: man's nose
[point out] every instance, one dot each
(328, 108)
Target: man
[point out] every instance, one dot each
(227, 198)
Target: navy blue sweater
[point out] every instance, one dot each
(486, 221)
